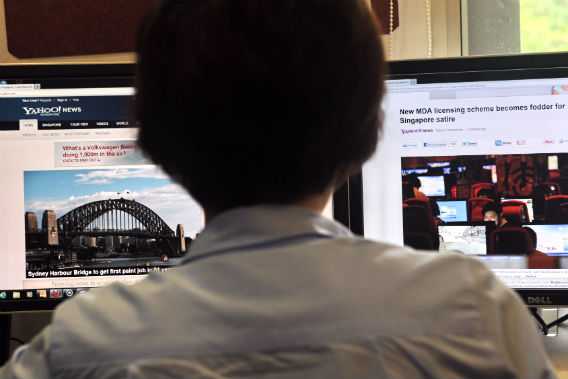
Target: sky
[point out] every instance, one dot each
(64, 190)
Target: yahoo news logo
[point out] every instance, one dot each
(50, 111)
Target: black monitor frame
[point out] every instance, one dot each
(95, 75)
(470, 69)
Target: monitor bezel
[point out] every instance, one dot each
(68, 71)
(510, 67)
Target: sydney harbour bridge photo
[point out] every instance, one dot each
(116, 232)
(98, 233)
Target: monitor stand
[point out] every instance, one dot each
(5, 329)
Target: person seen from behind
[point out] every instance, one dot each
(260, 109)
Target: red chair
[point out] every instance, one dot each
(540, 260)
(475, 188)
(421, 203)
(419, 240)
(539, 195)
(511, 240)
(513, 215)
(523, 211)
(417, 219)
(553, 210)
(474, 207)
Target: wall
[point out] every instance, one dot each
(7, 58)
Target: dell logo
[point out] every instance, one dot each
(538, 300)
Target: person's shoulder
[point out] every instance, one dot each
(415, 271)
(422, 292)
(387, 253)
(118, 297)
(106, 310)
(115, 323)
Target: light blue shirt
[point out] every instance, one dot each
(281, 292)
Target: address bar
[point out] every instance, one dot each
(116, 91)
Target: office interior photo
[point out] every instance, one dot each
(472, 157)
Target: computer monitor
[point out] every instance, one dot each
(432, 186)
(529, 203)
(496, 120)
(467, 239)
(552, 239)
(452, 210)
(418, 171)
(81, 205)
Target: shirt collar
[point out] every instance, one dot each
(262, 224)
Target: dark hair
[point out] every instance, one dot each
(492, 206)
(246, 102)
(486, 192)
(413, 180)
(434, 207)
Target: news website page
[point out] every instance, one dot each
(81, 205)
(452, 148)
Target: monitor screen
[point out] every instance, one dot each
(529, 203)
(82, 206)
(495, 123)
(552, 239)
(432, 186)
(452, 210)
(468, 239)
(418, 171)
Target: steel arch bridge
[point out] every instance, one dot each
(114, 216)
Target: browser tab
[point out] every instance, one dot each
(31, 86)
(28, 125)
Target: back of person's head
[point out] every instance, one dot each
(493, 206)
(486, 192)
(247, 102)
(413, 180)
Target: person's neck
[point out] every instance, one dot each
(314, 202)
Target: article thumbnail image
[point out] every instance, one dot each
(105, 220)
(515, 175)
(446, 198)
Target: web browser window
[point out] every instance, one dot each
(499, 133)
(81, 204)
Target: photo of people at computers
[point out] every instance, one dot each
(489, 205)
